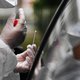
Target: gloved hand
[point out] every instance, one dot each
(14, 35)
(26, 59)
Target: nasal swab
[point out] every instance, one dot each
(34, 36)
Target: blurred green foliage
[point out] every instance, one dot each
(46, 3)
(44, 11)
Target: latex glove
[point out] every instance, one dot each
(26, 59)
(14, 36)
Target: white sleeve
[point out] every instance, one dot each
(3, 55)
(2, 59)
(8, 61)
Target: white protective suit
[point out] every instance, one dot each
(61, 65)
(8, 59)
(8, 63)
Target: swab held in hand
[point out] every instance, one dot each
(34, 37)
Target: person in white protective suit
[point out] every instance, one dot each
(64, 61)
(10, 64)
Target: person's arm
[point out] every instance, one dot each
(4, 49)
(1, 65)
(14, 36)
(1, 68)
